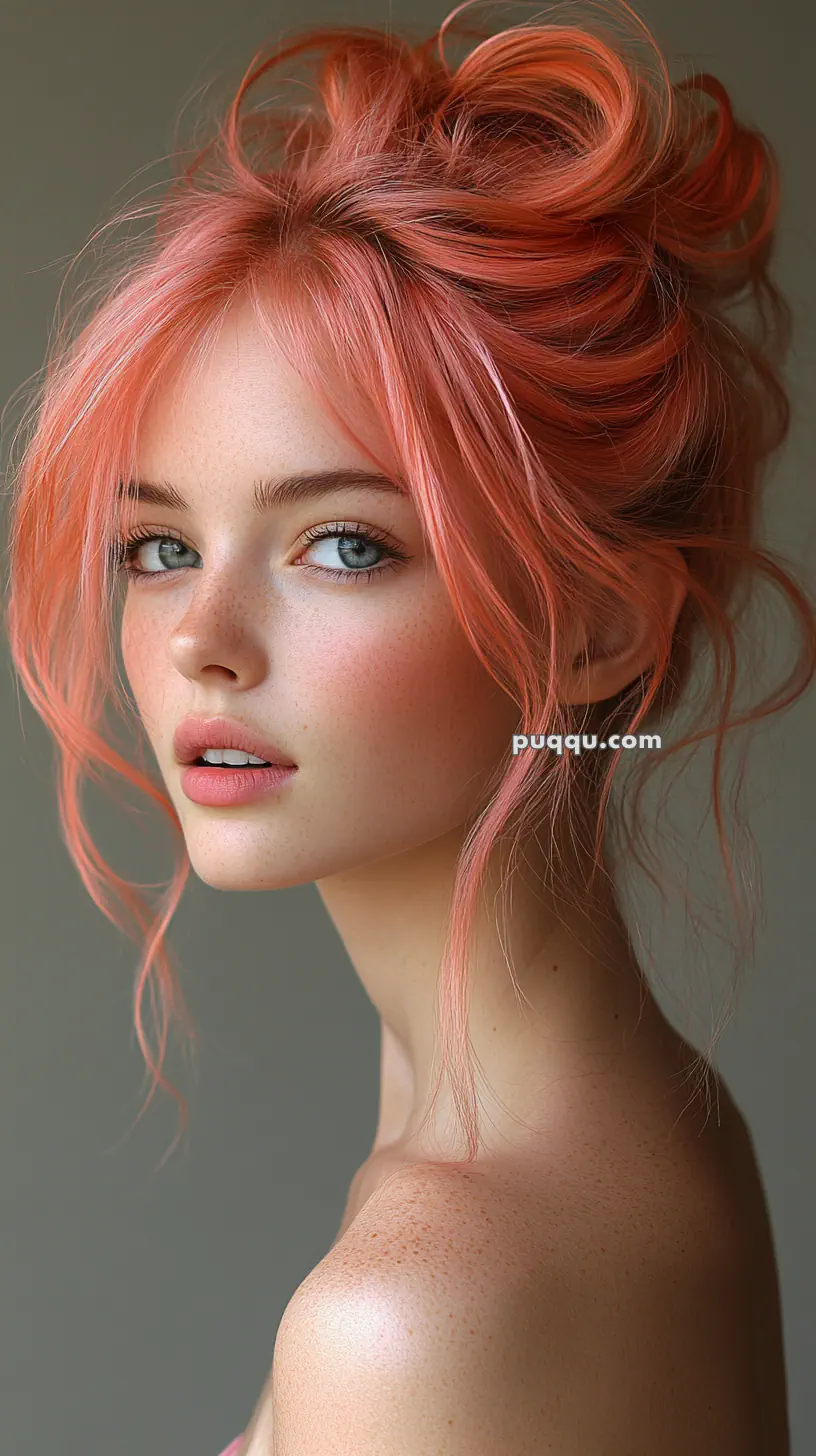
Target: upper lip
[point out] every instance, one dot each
(194, 735)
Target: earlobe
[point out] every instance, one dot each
(624, 642)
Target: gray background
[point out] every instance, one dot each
(138, 1312)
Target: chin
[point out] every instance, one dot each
(240, 860)
(247, 856)
(221, 868)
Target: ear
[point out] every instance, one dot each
(622, 641)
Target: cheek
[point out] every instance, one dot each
(413, 697)
(138, 645)
(135, 649)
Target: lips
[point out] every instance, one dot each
(194, 735)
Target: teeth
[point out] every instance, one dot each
(233, 756)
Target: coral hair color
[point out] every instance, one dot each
(523, 267)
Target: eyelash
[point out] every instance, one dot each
(125, 550)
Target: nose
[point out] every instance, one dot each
(219, 639)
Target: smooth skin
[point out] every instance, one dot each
(582, 1288)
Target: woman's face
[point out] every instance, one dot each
(362, 677)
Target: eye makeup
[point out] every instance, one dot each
(349, 536)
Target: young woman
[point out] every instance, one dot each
(427, 455)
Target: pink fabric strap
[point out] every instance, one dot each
(232, 1449)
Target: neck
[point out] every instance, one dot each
(582, 993)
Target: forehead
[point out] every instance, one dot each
(245, 409)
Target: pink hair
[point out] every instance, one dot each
(521, 269)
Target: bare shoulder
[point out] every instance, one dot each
(490, 1308)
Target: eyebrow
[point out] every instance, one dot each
(275, 491)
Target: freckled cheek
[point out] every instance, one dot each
(138, 641)
(156, 686)
(418, 691)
